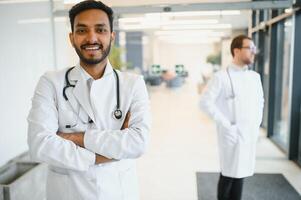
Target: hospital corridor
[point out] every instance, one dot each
(150, 100)
(184, 142)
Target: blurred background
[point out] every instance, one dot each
(176, 45)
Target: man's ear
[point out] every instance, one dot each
(236, 51)
(113, 35)
(71, 38)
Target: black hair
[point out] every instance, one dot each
(90, 4)
(237, 42)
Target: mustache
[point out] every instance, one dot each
(89, 44)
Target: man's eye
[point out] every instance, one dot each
(101, 30)
(80, 30)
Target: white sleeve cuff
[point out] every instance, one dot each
(88, 157)
(91, 139)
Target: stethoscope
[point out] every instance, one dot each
(117, 113)
(232, 97)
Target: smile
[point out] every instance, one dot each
(91, 47)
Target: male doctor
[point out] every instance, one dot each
(89, 123)
(234, 99)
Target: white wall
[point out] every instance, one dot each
(26, 52)
(226, 53)
(192, 56)
(65, 53)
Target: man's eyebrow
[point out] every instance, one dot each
(81, 25)
(101, 25)
(97, 25)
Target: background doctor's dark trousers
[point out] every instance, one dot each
(229, 188)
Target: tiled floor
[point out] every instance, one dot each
(183, 142)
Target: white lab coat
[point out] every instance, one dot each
(72, 174)
(236, 143)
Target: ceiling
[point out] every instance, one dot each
(162, 2)
(137, 2)
(198, 21)
(194, 18)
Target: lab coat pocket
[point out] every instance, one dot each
(58, 186)
(230, 135)
(129, 184)
(109, 182)
(84, 185)
(67, 118)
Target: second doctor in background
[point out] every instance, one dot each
(89, 123)
(234, 99)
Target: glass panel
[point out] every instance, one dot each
(26, 52)
(281, 118)
(266, 76)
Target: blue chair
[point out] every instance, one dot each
(175, 82)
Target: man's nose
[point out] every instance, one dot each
(91, 37)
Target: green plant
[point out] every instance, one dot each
(214, 59)
(115, 57)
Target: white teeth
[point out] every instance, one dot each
(92, 48)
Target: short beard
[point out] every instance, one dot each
(92, 61)
(248, 61)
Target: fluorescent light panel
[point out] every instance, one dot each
(197, 26)
(21, 1)
(196, 13)
(71, 1)
(191, 41)
(165, 21)
(190, 33)
(176, 27)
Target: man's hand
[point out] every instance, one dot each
(101, 159)
(126, 121)
(77, 137)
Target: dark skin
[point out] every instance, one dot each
(78, 139)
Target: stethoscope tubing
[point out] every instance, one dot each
(117, 113)
(232, 97)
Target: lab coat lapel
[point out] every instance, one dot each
(103, 88)
(80, 94)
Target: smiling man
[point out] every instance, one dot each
(90, 122)
(96, 47)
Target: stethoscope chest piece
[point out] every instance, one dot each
(117, 114)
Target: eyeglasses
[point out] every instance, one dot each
(253, 49)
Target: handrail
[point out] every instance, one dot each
(263, 25)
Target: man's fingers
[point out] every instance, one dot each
(128, 115)
(126, 121)
(63, 135)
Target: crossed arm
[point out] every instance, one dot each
(48, 145)
(78, 139)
